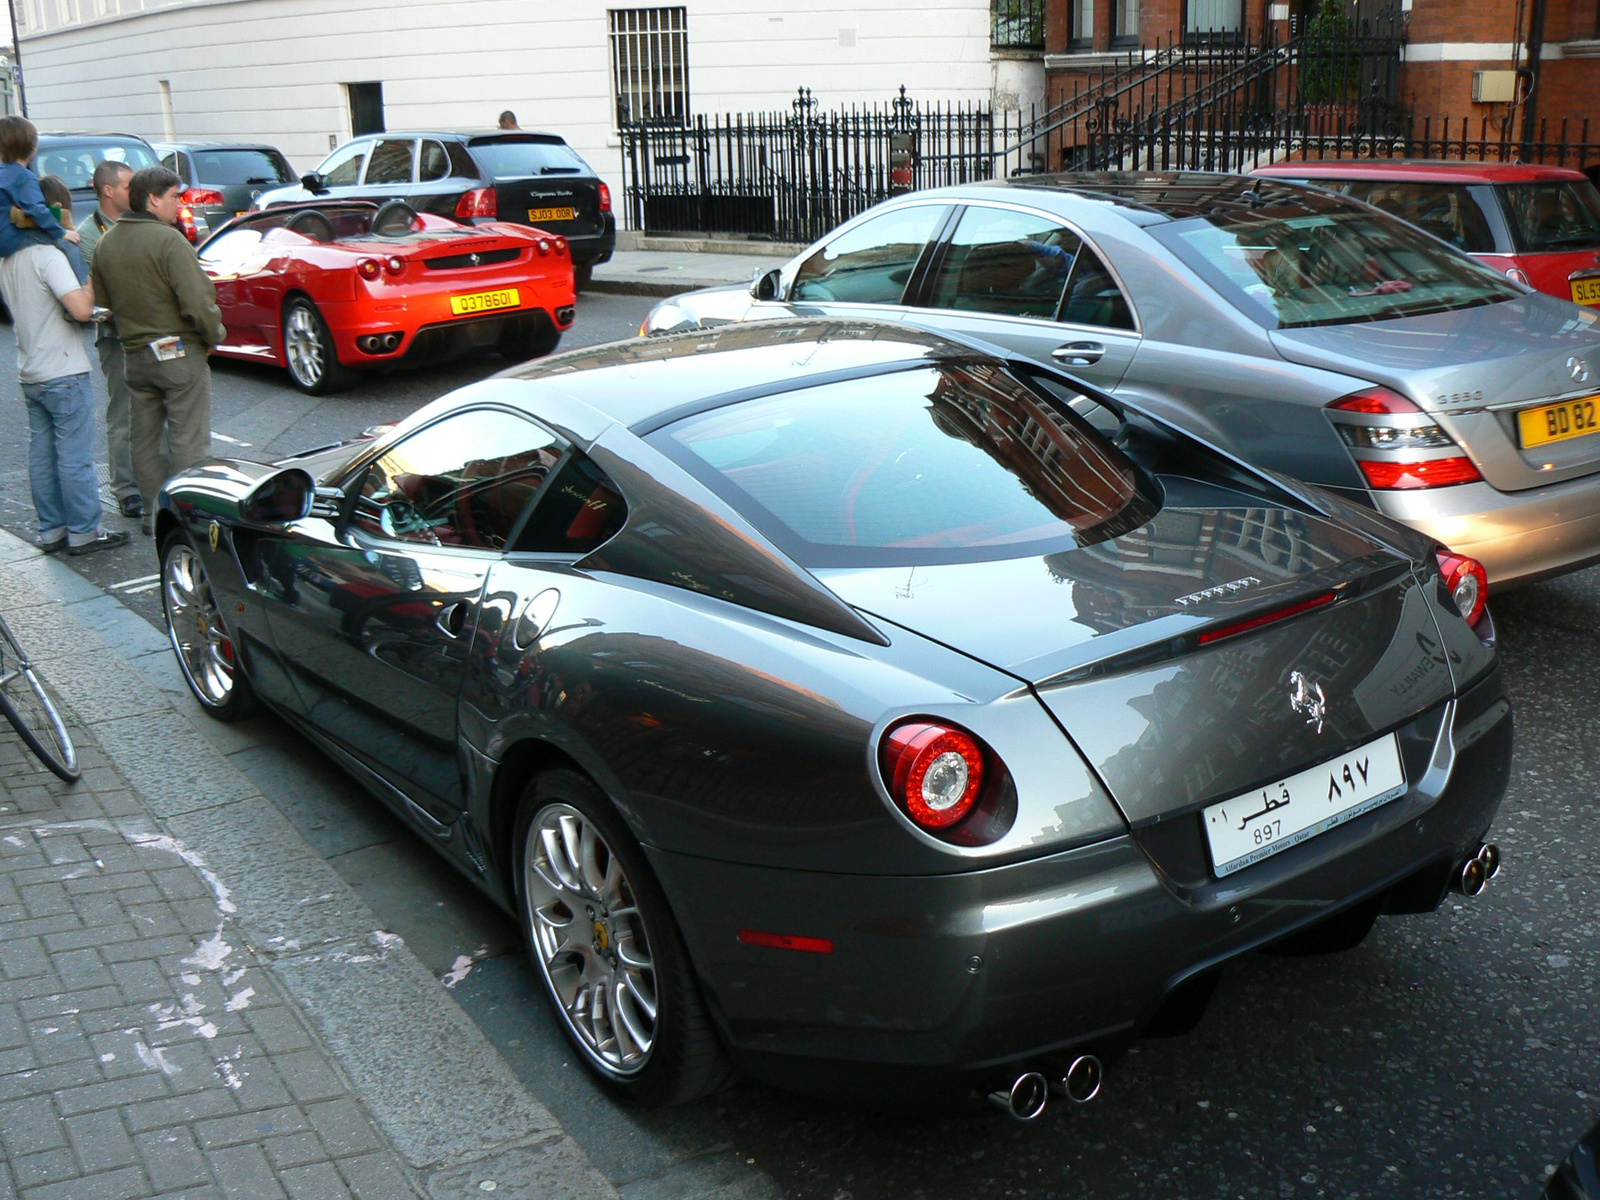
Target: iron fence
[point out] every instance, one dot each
(794, 176)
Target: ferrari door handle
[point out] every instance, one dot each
(1079, 354)
(452, 618)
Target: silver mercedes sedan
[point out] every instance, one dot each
(1300, 330)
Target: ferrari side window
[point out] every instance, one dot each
(464, 481)
(581, 510)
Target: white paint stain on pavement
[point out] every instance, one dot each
(240, 1000)
(463, 965)
(155, 1059)
(209, 954)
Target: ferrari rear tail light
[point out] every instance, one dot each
(369, 268)
(935, 772)
(543, 247)
(605, 198)
(560, 244)
(1396, 445)
(1467, 582)
(394, 264)
(479, 202)
(1281, 614)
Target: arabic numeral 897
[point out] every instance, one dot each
(1266, 832)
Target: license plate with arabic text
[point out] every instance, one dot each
(1558, 422)
(1248, 828)
(535, 215)
(478, 302)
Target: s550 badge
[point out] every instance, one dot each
(1460, 397)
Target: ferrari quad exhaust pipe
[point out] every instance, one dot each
(1082, 1080)
(1474, 874)
(1025, 1098)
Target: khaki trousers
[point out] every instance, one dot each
(174, 396)
(118, 452)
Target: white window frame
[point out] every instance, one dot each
(650, 65)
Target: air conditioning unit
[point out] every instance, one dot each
(1494, 87)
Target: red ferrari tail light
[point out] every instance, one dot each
(605, 198)
(200, 196)
(560, 244)
(1467, 582)
(394, 264)
(479, 202)
(369, 268)
(1396, 445)
(543, 247)
(935, 772)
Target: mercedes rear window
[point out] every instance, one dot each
(1313, 260)
(959, 462)
(228, 168)
(1552, 217)
(520, 159)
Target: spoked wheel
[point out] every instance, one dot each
(198, 635)
(607, 948)
(31, 711)
(308, 347)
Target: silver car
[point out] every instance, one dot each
(1303, 331)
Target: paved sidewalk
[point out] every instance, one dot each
(192, 1003)
(666, 266)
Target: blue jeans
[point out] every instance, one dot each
(66, 494)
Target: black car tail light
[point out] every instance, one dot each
(1396, 445)
(935, 772)
(478, 203)
(605, 198)
(1467, 582)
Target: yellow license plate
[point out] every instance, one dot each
(479, 302)
(552, 214)
(1585, 291)
(1558, 422)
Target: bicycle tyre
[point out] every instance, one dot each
(24, 712)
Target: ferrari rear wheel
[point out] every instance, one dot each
(205, 648)
(308, 347)
(604, 942)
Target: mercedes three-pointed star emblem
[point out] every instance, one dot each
(1578, 369)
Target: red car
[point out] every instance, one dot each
(1538, 224)
(327, 288)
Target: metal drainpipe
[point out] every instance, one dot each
(1530, 104)
(16, 59)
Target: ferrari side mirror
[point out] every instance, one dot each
(280, 498)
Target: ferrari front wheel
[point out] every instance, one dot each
(308, 349)
(607, 949)
(204, 647)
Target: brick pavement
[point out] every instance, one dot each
(191, 1003)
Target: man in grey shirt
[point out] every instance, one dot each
(47, 303)
(111, 189)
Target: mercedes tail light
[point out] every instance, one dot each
(1396, 445)
(1467, 582)
(478, 203)
(605, 198)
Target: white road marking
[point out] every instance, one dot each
(134, 580)
(143, 587)
(222, 437)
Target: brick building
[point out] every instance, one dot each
(1511, 70)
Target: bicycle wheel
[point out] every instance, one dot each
(30, 710)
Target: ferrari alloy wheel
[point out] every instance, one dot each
(605, 944)
(199, 638)
(308, 348)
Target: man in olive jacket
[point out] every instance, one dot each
(166, 312)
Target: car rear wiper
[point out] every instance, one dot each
(558, 170)
(262, 179)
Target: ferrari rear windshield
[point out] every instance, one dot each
(955, 463)
(1320, 261)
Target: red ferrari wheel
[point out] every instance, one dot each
(308, 348)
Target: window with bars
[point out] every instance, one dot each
(650, 65)
(1016, 24)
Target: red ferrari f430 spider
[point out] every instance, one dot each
(325, 289)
